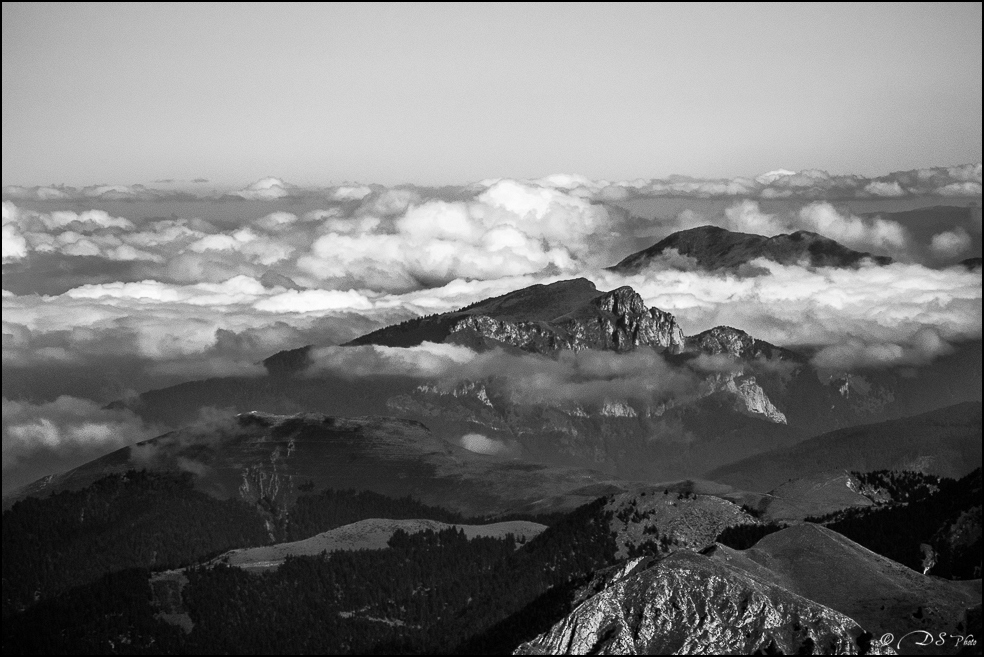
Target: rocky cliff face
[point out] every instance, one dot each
(615, 321)
(750, 398)
(653, 441)
(689, 604)
(737, 344)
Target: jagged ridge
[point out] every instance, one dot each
(568, 315)
(737, 343)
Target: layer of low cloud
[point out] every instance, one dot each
(811, 184)
(583, 378)
(225, 329)
(922, 348)
(390, 240)
(481, 444)
(126, 304)
(951, 244)
(422, 361)
(796, 306)
(38, 438)
(815, 184)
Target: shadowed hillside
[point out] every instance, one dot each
(945, 442)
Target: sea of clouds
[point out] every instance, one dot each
(99, 306)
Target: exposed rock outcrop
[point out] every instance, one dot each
(737, 344)
(690, 604)
(750, 398)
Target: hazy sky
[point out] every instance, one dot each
(107, 93)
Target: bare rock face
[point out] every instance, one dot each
(750, 398)
(615, 321)
(738, 344)
(689, 604)
(627, 323)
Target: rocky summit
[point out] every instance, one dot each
(688, 603)
(711, 247)
(738, 344)
(545, 319)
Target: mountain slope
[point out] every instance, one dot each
(131, 520)
(690, 604)
(718, 248)
(880, 594)
(262, 458)
(813, 495)
(425, 594)
(945, 442)
(931, 525)
(372, 534)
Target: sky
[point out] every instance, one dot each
(451, 94)
(189, 189)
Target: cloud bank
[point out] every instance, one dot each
(61, 434)
(811, 184)
(102, 302)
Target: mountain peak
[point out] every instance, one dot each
(641, 609)
(537, 302)
(736, 343)
(566, 315)
(713, 247)
(621, 301)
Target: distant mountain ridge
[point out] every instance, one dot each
(737, 343)
(750, 397)
(944, 442)
(269, 459)
(754, 396)
(713, 247)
